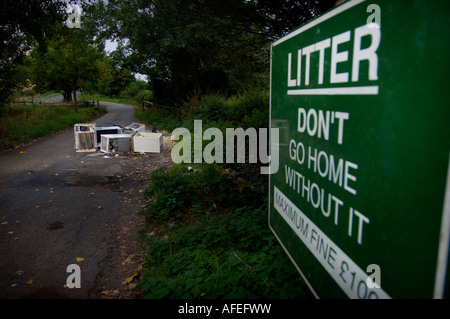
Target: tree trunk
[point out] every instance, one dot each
(75, 97)
(68, 95)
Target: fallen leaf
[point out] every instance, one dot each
(14, 285)
(10, 232)
(82, 162)
(130, 279)
(79, 259)
(30, 282)
(37, 206)
(51, 201)
(99, 207)
(4, 223)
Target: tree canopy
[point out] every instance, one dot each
(23, 23)
(70, 62)
(181, 46)
(197, 45)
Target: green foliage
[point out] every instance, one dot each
(217, 244)
(234, 256)
(208, 46)
(69, 63)
(164, 118)
(133, 89)
(211, 219)
(144, 95)
(22, 24)
(185, 194)
(113, 81)
(249, 109)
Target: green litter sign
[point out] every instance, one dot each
(361, 100)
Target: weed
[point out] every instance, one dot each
(234, 256)
(212, 237)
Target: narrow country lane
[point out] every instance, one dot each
(59, 207)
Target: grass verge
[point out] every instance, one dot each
(23, 123)
(211, 239)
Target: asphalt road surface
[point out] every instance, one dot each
(59, 207)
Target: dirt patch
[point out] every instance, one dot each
(121, 270)
(55, 225)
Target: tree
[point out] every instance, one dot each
(113, 80)
(70, 62)
(22, 24)
(199, 45)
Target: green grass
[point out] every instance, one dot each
(108, 99)
(165, 119)
(211, 236)
(23, 123)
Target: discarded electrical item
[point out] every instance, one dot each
(133, 128)
(115, 143)
(85, 138)
(115, 139)
(99, 131)
(147, 142)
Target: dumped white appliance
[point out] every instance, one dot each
(133, 128)
(100, 130)
(114, 143)
(114, 139)
(85, 140)
(147, 142)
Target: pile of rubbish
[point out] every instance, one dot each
(117, 139)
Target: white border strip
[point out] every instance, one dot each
(441, 269)
(315, 239)
(268, 216)
(269, 189)
(362, 90)
(345, 6)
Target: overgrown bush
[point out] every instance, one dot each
(249, 109)
(239, 109)
(212, 239)
(184, 193)
(234, 256)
